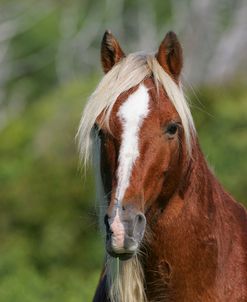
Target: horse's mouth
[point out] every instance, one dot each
(123, 253)
(121, 256)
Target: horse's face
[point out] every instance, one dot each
(140, 162)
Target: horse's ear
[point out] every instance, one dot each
(170, 55)
(111, 52)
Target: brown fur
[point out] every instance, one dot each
(195, 248)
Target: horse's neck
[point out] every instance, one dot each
(199, 187)
(189, 234)
(172, 243)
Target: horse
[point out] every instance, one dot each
(172, 233)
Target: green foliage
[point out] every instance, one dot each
(49, 245)
(222, 127)
(32, 50)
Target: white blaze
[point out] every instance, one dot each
(131, 113)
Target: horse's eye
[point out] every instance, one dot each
(171, 129)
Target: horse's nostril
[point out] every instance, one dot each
(108, 229)
(139, 226)
(140, 220)
(106, 221)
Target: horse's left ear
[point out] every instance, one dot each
(170, 55)
(111, 52)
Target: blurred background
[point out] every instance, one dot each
(50, 248)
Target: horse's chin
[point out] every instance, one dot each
(122, 253)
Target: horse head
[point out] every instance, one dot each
(143, 128)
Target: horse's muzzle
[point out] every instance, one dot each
(124, 231)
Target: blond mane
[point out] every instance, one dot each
(128, 73)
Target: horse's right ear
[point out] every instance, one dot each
(111, 52)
